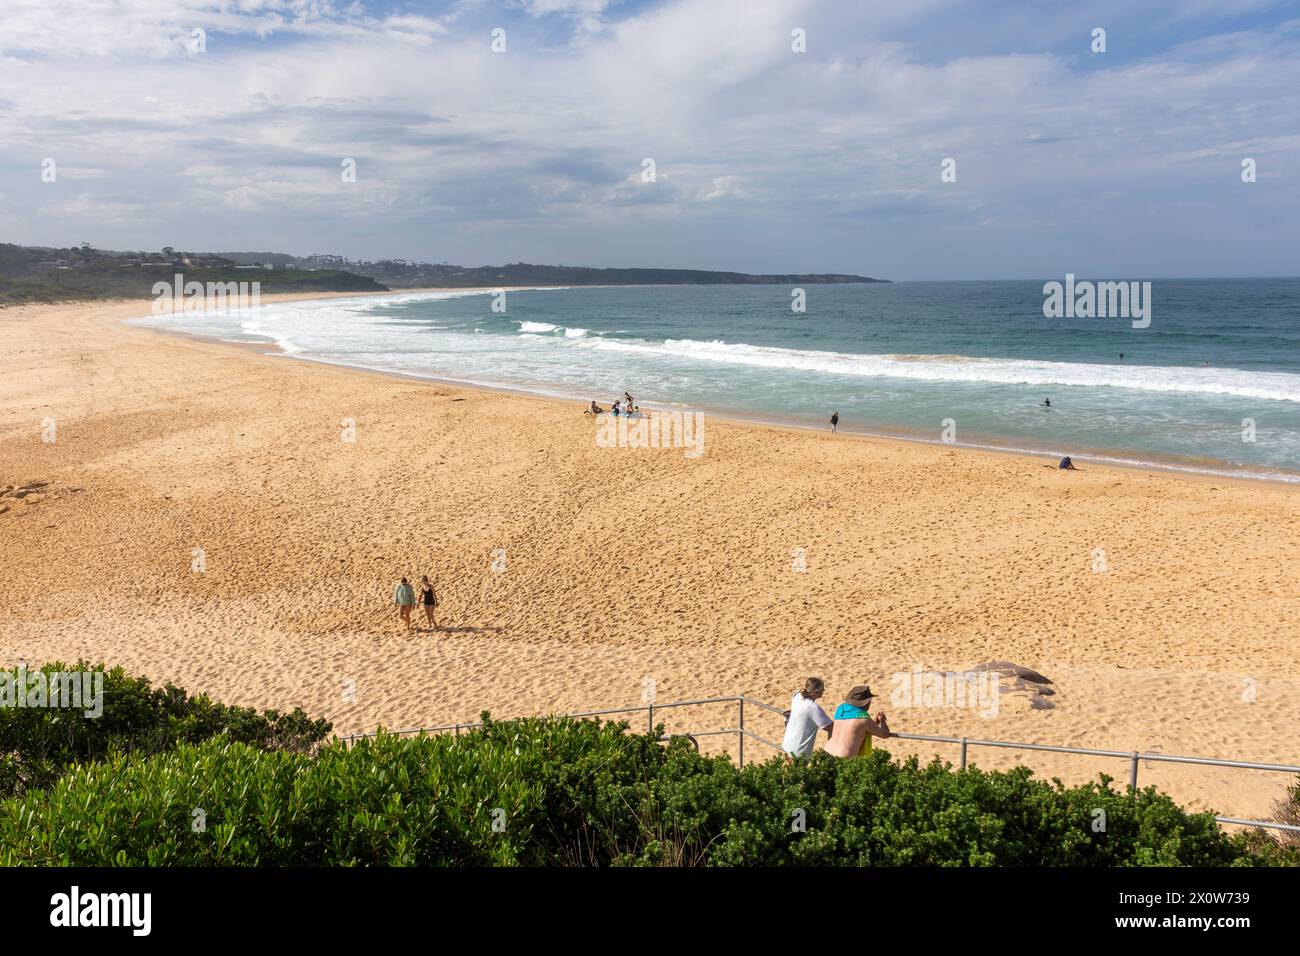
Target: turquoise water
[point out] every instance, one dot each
(890, 358)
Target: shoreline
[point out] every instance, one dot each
(1094, 457)
(624, 566)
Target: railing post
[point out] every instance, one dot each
(458, 730)
(1133, 771)
(963, 753)
(741, 734)
(650, 719)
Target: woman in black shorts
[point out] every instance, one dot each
(429, 600)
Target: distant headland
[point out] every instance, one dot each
(53, 274)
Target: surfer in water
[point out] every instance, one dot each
(1047, 403)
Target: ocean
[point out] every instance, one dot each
(1211, 385)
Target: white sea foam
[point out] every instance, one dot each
(354, 331)
(1269, 386)
(343, 325)
(377, 302)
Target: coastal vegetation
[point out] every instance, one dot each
(31, 274)
(39, 743)
(40, 275)
(173, 780)
(402, 274)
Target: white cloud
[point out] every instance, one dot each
(539, 8)
(847, 136)
(165, 28)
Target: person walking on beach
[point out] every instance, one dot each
(429, 599)
(835, 421)
(854, 727)
(805, 717)
(404, 598)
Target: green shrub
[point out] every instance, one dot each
(37, 744)
(565, 792)
(508, 794)
(1287, 810)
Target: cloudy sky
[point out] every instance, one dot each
(1122, 164)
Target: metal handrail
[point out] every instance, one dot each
(965, 743)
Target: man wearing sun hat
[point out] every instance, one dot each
(854, 727)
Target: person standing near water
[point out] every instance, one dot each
(835, 421)
(404, 598)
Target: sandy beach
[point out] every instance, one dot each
(571, 575)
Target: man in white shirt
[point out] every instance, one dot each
(806, 716)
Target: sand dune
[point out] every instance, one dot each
(620, 565)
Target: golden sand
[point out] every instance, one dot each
(620, 566)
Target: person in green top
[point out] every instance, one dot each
(404, 598)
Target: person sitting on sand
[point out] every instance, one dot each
(835, 421)
(804, 717)
(1067, 464)
(615, 409)
(854, 727)
(429, 599)
(404, 598)
(595, 409)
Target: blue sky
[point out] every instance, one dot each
(1122, 164)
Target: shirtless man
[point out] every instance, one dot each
(851, 735)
